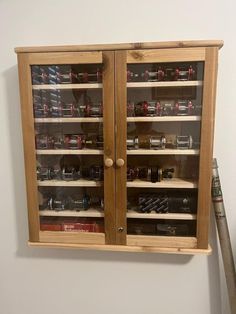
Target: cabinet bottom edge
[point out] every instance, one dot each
(123, 248)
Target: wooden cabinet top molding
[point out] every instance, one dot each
(124, 46)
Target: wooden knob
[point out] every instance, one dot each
(108, 162)
(120, 162)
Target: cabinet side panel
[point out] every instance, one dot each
(109, 146)
(206, 148)
(29, 145)
(121, 134)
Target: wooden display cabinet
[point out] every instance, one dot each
(118, 143)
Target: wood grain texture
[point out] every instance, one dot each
(72, 237)
(91, 212)
(123, 248)
(124, 46)
(109, 145)
(69, 152)
(164, 119)
(166, 55)
(163, 152)
(174, 183)
(80, 182)
(162, 84)
(121, 135)
(166, 242)
(29, 144)
(68, 86)
(206, 147)
(65, 57)
(68, 120)
(153, 215)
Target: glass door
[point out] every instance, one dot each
(159, 156)
(73, 109)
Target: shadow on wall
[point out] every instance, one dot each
(214, 271)
(17, 164)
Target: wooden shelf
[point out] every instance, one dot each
(175, 183)
(68, 120)
(80, 182)
(92, 212)
(164, 119)
(122, 248)
(154, 215)
(163, 152)
(164, 84)
(69, 152)
(67, 86)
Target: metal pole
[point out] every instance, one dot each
(224, 237)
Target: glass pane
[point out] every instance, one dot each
(164, 104)
(68, 112)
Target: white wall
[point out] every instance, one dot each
(63, 281)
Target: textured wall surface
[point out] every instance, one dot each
(65, 281)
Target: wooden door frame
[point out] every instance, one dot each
(120, 138)
(25, 60)
(109, 145)
(206, 147)
(209, 56)
(27, 117)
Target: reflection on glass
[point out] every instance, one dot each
(66, 74)
(69, 147)
(163, 139)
